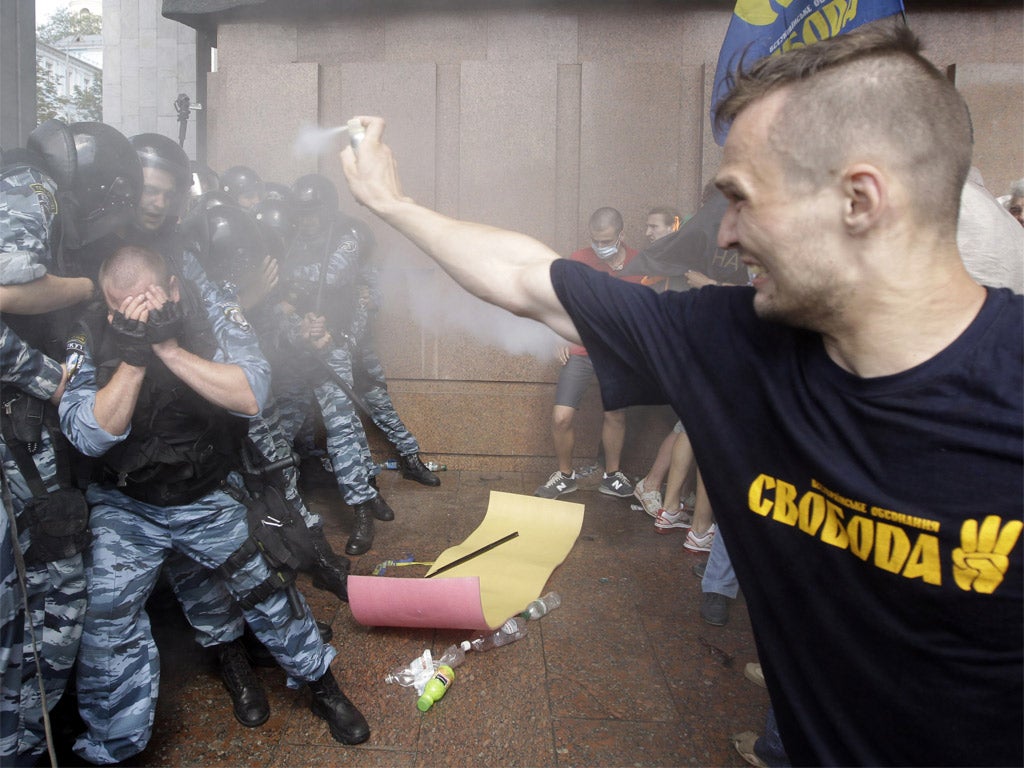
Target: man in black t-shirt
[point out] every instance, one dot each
(858, 410)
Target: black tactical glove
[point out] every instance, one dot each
(130, 337)
(164, 323)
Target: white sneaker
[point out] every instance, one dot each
(666, 520)
(700, 542)
(650, 500)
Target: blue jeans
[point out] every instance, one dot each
(719, 576)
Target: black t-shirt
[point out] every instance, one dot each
(874, 524)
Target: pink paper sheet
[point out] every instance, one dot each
(431, 603)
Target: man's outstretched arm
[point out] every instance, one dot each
(504, 268)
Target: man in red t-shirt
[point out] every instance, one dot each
(606, 253)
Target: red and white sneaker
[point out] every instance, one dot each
(700, 542)
(666, 521)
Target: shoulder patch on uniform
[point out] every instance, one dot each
(348, 245)
(75, 354)
(45, 198)
(233, 314)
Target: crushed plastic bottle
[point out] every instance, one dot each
(542, 606)
(454, 655)
(436, 687)
(433, 466)
(414, 675)
(512, 630)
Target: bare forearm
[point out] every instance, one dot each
(115, 403)
(46, 294)
(222, 384)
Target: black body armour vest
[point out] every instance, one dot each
(181, 446)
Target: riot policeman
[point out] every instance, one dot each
(73, 185)
(159, 395)
(207, 604)
(232, 248)
(332, 284)
(351, 283)
(242, 185)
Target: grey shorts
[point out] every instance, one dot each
(573, 381)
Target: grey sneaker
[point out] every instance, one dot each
(714, 609)
(616, 484)
(557, 485)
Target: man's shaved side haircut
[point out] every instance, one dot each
(865, 96)
(124, 267)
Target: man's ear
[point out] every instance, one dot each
(866, 197)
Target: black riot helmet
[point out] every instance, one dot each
(53, 142)
(107, 182)
(276, 220)
(227, 241)
(242, 184)
(204, 181)
(274, 190)
(316, 203)
(157, 151)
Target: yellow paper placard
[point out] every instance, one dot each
(514, 573)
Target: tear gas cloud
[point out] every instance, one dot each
(438, 303)
(313, 140)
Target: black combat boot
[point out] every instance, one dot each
(347, 723)
(381, 509)
(247, 696)
(361, 538)
(330, 570)
(413, 468)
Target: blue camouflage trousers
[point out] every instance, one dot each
(56, 596)
(207, 603)
(360, 368)
(347, 448)
(12, 632)
(362, 373)
(119, 666)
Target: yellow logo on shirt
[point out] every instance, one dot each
(904, 544)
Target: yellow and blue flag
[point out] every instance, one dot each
(762, 28)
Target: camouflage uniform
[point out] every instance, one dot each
(208, 605)
(55, 590)
(12, 631)
(354, 377)
(118, 673)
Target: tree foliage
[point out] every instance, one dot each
(82, 103)
(64, 24)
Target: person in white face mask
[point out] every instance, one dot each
(606, 253)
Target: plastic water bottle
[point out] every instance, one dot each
(401, 675)
(433, 466)
(512, 630)
(436, 687)
(542, 606)
(454, 655)
(389, 464)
